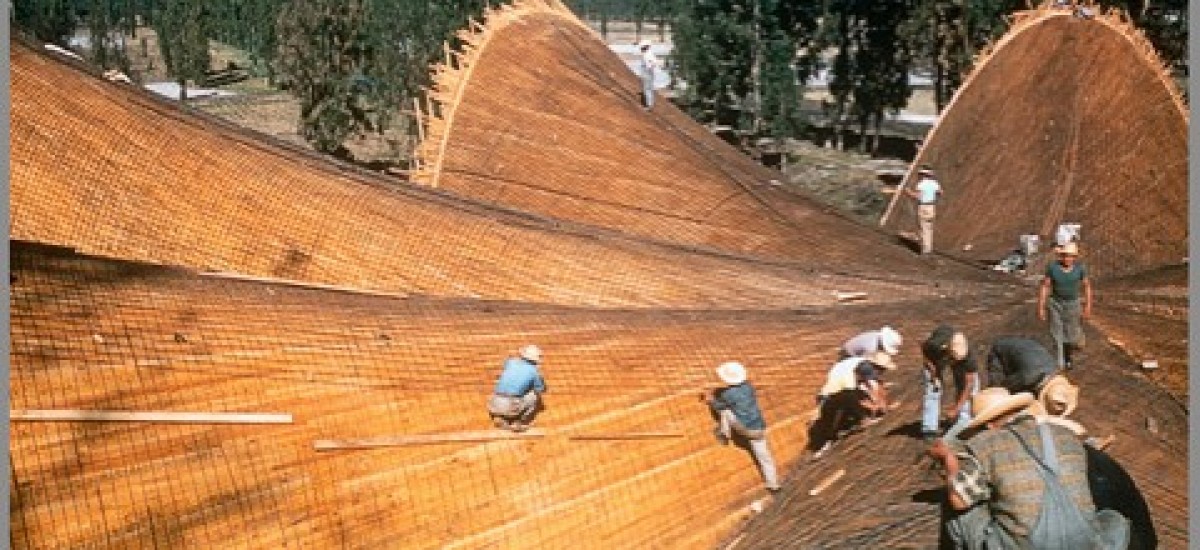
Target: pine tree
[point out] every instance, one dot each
(107, 47)
(354, 63)
(183, 28)
(50, 21)
(740, 60)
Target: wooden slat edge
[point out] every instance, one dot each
(424, 439)
(77, 415)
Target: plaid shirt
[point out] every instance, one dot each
(995, 469)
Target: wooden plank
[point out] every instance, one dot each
(850, 296)
(424, 439)
(77, 415)
(628, 435)
(828, 481)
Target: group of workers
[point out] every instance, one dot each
(1015, 467)
(1065, 296)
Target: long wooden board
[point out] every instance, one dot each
(618, 435)
(77, 415)
(474, 436)
(424, 439)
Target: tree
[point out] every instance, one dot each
(183, 28)
(353, 63)
(322, 50)
(741, 61)
(107, 44)
(251, 26)
(50, 21)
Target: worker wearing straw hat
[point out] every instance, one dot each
(851, 396)
(1066, 296)
(736, 407)
(517, 396)
(1009, 495)
(867, 344)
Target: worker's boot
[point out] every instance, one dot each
(1068, 356)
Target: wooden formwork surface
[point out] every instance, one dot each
(537, 113)
(100, 334)
(1146, 317)
(1064, 120)
(889, 498)
(366, 311)
(109, 171)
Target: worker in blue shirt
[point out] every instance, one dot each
(737, 411)
(517, 397)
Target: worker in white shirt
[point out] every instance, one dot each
(650, 68)
(927, 193)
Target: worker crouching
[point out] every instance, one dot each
(1015, 482)
(517, 397)
(852, 396)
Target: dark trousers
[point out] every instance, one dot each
(842, 409)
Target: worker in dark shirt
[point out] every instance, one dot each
(1066, 298)
(736, 408)
(947, 349)
(1019, 364)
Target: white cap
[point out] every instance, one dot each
(890, 340)
(531, 353)
(732, 373)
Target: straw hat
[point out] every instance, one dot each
(1058, 397)
(890, 340)
(993, 403)
(732, 373)
(1075, 427)
(1069, 249)
(958, 346)
(531, 353)
(882, 360)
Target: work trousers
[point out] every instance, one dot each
(648, 89)
(758, 446)
(1066, 325)
(843, 408)
(925, 215)
(520, 409)
(932, 403)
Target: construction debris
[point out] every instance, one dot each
(1150, 364)
(850, 296)
(1101, 443)
(827, 482)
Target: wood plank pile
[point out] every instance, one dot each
(166, 263)
(1102, 143)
